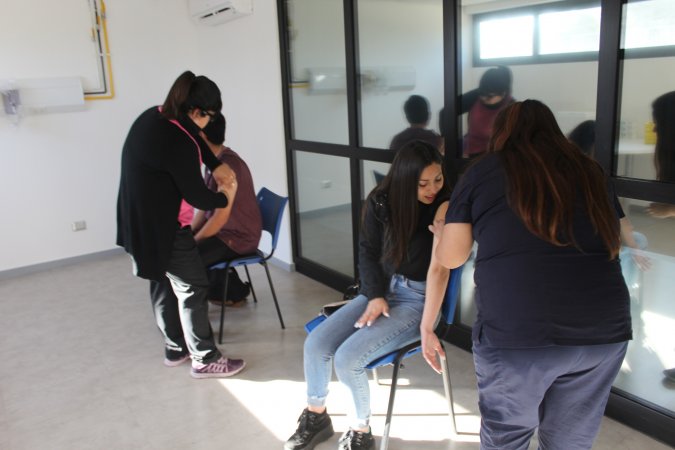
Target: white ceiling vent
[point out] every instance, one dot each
(215, 12)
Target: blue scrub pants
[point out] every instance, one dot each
(562, 390)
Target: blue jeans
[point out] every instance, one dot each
(352, 349)
(562, 390)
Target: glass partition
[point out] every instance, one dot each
(324, 210)
(648, 264)
(400, 54)
(646, 132)
(568, 87)
(543, 51)
(318, 70)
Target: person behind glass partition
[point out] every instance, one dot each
(482, 105)
(416, 110)
(553, 318)
(663, 114)
(583, 135)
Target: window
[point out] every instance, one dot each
(649, 24)
(569, 31)
(506, 38)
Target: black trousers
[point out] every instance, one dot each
(213, 250)
(180, 305)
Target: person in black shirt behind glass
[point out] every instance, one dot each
(416, 110)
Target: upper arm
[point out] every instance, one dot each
(435, 266)
(208, 157)
(456, 239)
(183, 164)
(455, 244)
(467, 100)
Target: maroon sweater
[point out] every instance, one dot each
(480, 121)
(243, 229)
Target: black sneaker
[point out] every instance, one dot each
(312, 429)
(356, 440)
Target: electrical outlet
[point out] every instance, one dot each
(325, 184)
(79, 225)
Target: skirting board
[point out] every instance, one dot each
(27, 270)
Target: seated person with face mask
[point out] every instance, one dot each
(229, 232)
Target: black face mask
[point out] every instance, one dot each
(498, 104)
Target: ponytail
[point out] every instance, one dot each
(190, 91)
(178, 94)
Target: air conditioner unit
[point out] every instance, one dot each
(215, 12)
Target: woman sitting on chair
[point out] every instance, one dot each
(394, 253)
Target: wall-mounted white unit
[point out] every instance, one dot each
(38, 95)
(376, 80)
(215, 12)
(327, 80)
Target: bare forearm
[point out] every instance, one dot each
(214, 224)
(437, 280)
(198, 221)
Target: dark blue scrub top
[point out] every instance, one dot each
(530, 293)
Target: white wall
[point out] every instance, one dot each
(58, 168)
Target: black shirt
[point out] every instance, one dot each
(375, 273)
(416, 134)
(530, 293)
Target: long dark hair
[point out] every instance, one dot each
(190, 91)
(663, 112)
(546, 172)
(399, 188)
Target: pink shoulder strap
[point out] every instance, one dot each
(199, 151)
(175, 122)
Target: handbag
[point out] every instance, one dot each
(351, 292)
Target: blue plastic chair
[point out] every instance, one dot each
(272, 210)
(396, 357)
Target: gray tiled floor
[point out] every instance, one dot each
(82, 369)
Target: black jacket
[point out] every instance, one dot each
(374, 272)
(160, 167)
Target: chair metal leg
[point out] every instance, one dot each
(376, 379)
(222, 306)
(447, 386)
(250, 284)
(274, 295)
(390, 407)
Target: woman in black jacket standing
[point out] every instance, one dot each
(161, 167)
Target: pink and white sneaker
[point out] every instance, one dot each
(221, 368)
